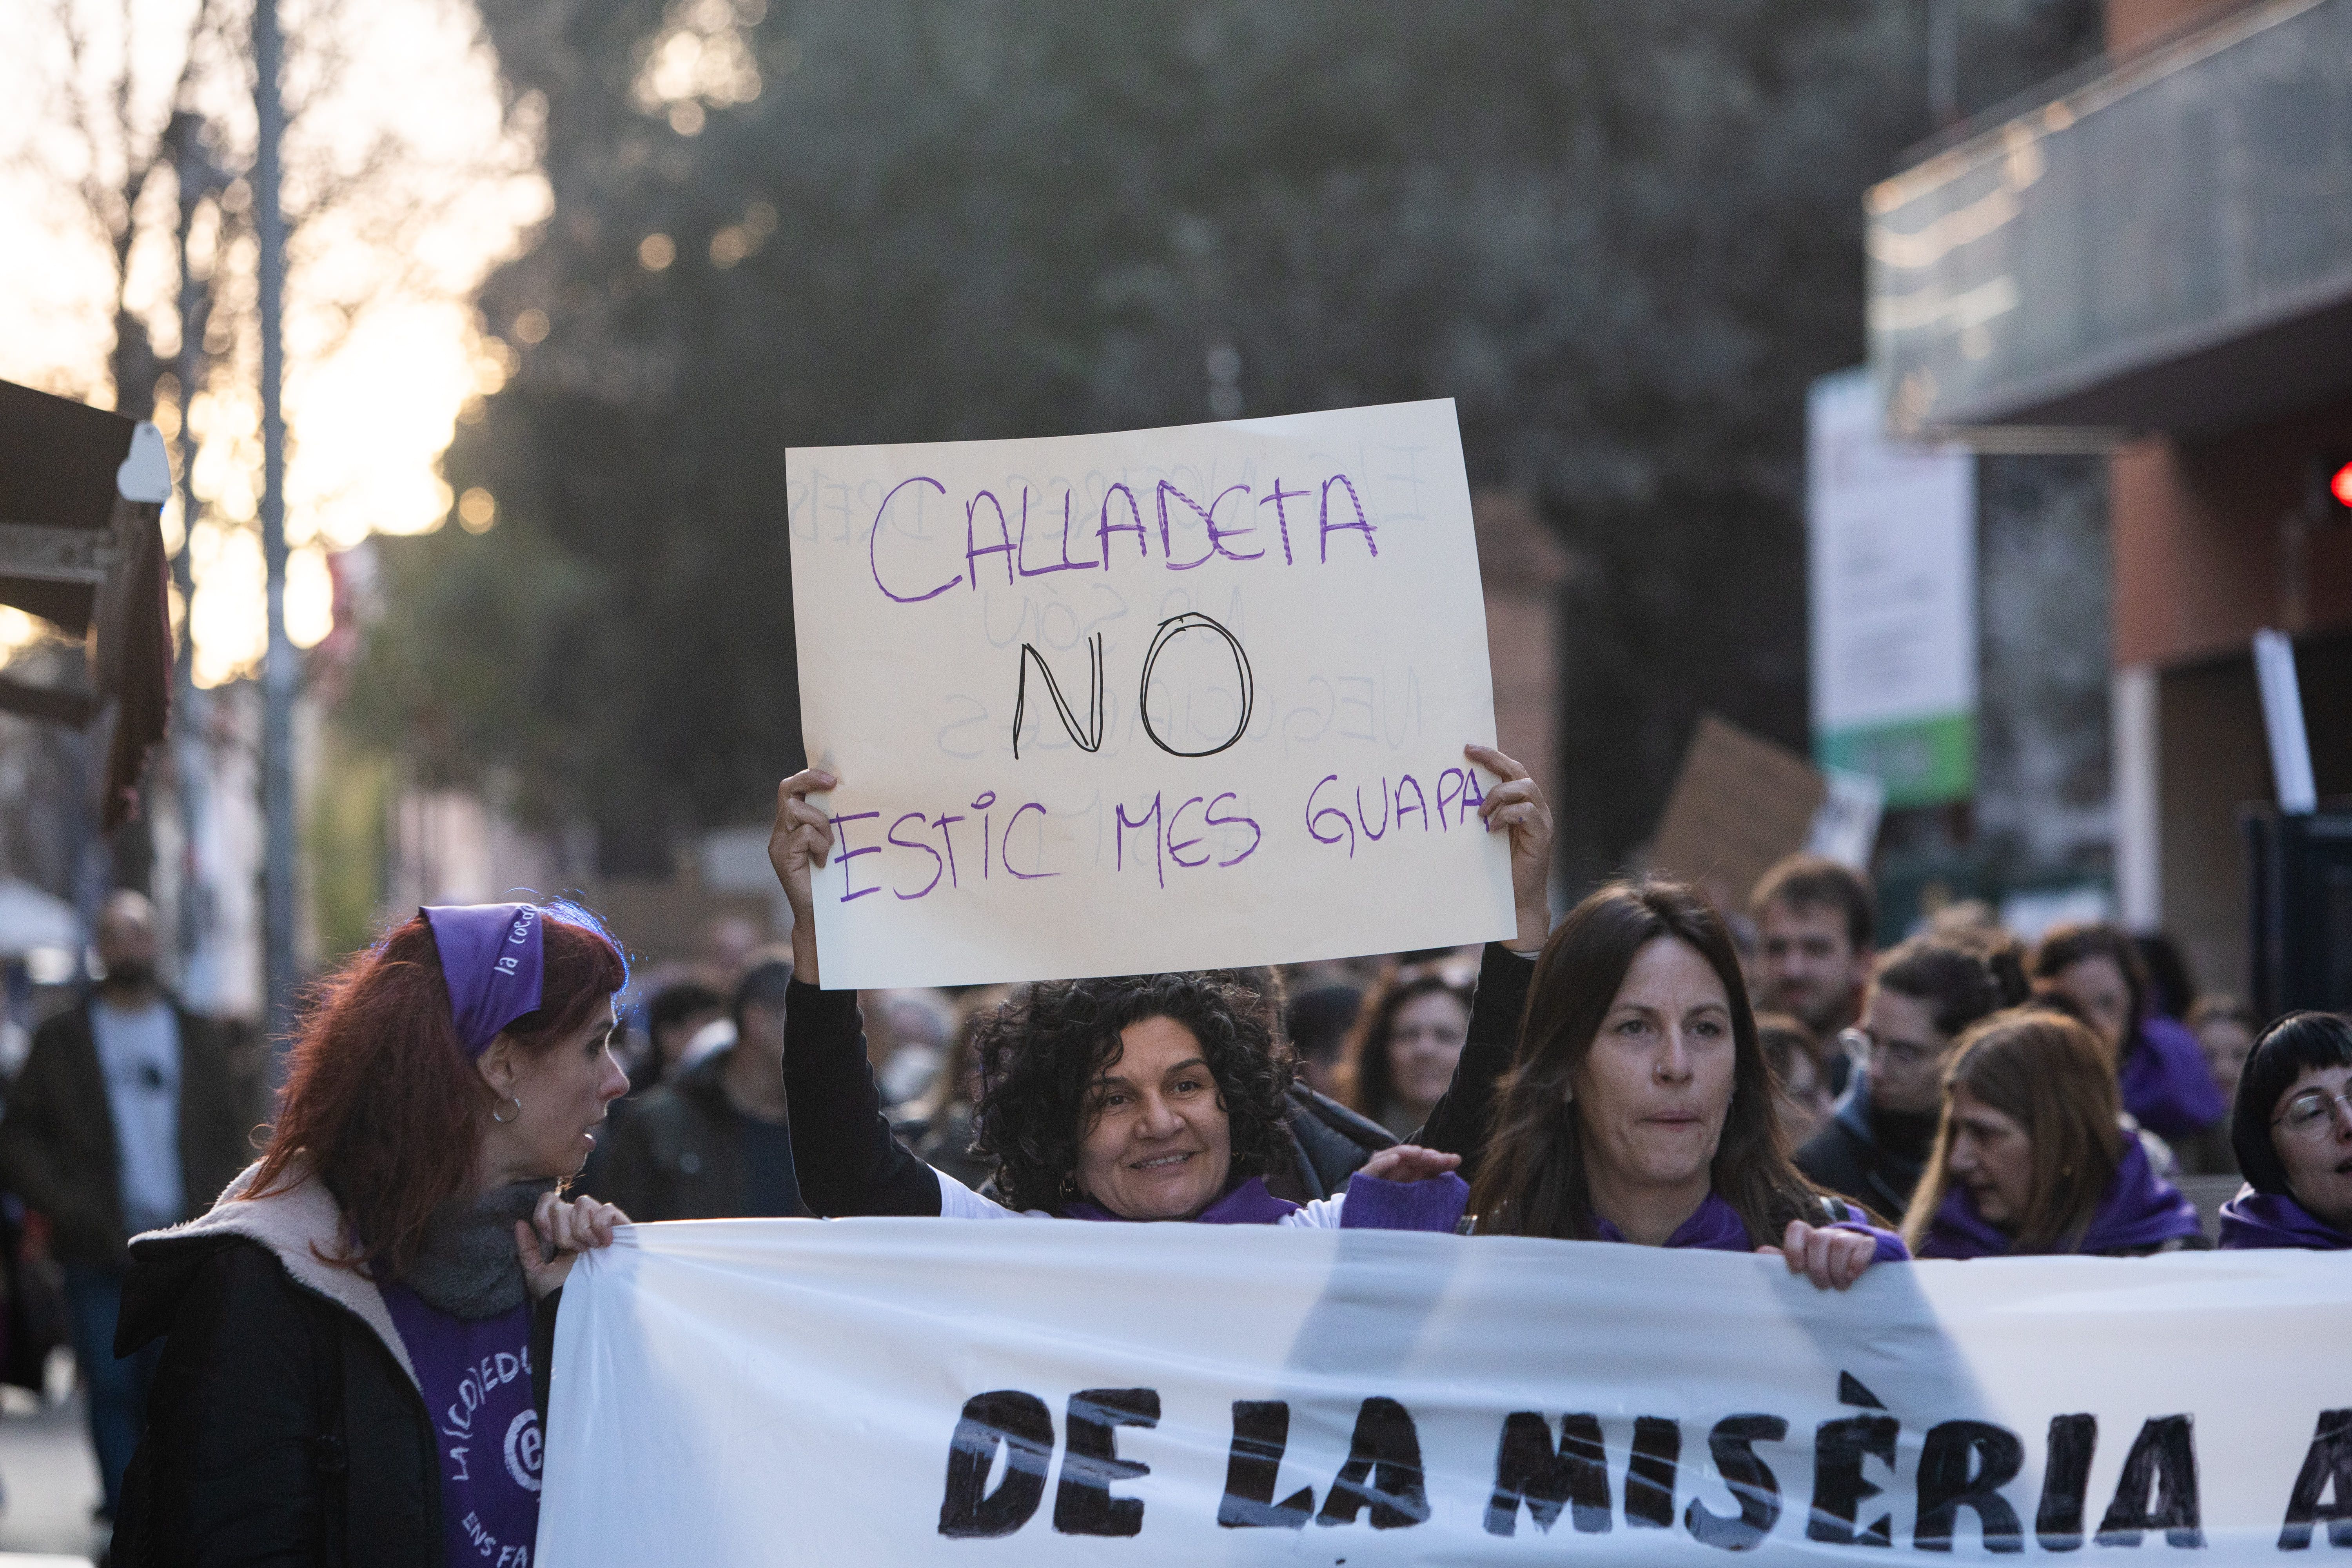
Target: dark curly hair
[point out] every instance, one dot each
(1041, 1052)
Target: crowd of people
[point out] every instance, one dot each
(319, 1360)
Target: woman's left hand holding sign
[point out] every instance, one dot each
(801, 841)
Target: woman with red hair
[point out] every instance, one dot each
(357, 1335)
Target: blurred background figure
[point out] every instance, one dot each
(714, 1142)
(1400, 1056)
(1815, 924)
(2159, 1068)
(1795, 1056)
(910, 1038)
(1927, 991)
(1317, 1022)
(125, 1118)
(2225, 1029)
(673, 1016)
(2032, 1156)
(937, 1125)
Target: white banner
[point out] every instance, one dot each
(903, 1391)
(1179, 699)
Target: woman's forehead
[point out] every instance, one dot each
(1669, 971)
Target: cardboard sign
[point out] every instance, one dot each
(1179, 699)
(1044, 1392)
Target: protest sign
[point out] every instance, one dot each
(1032, 1393)
(1178, 699)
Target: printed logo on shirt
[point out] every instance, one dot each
(523, 1450)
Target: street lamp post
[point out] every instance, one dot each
(279, 675)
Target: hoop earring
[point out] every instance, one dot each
(504, 1121)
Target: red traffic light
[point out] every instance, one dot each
(2339, 485)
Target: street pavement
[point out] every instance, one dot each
(50, 1484)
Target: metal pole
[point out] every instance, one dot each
(1944, 63)
(277, 678)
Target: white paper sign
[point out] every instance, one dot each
(1179, 699)
(1028, 1394)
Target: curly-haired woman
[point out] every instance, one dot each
(357, 1335)
(1156, 1097)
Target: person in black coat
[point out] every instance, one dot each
(126, 1115)
(355, 1339)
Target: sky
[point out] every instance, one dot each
(407, 178)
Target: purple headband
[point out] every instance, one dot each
(492, 961)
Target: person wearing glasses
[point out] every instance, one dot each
(1924, 993)
(2031, 1157)
(2292, 1127)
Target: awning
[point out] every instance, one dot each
(81, 545)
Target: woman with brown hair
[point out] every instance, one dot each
(2159, 1071)
(1403, 1048)
(1639, 1106)
(2031, 1157)
(357, 1335)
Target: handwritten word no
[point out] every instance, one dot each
(1089, 736)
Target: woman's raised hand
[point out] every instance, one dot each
(1833, 1259)
(800, 841)
(566, 1230)
(1518, 804)
(1410, 1162)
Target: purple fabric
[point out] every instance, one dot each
(1433, 1205)
(2140, 1210)
(476, 1378)
(492, 959)
(2253, 1221)
(1715, 1227)
(1249, 1204)
(2165, 1082)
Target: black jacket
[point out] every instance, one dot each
(1457, 1123)
(678, 1154)
(58, 1150)
(1849, 1158)
(286, 1426)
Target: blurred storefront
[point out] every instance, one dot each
(2153, 262)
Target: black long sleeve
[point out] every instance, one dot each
(841, 1149)
(1457, 1123)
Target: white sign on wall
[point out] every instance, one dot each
(1181, 699)
(1891, 531)
(1036, 1393)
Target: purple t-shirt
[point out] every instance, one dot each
(476, 1381)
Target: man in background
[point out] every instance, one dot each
(1816, 925)
(126, 1118)
(713, 1142)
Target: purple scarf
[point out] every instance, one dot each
(2253, 1221)
(1715, 1227)
(1248, 1204)
(2140, 1210)
(2165, 1082)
